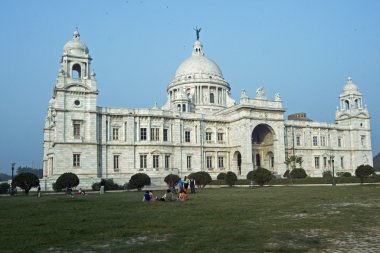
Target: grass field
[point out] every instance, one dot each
(267, 219)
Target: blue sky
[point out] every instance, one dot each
(303, 49)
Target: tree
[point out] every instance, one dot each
(261, 176)
(363, 172)
(231, 178)
(4, 187)
(202, 178)
(25, 181)
(38, 172)
(293, 160)
(138, 181)
(221, 176)
(171, 180)
(298, 173)
(66, 180)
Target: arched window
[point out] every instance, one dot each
(76, 71)
(184, 108)
(356, 104)
(179, 107)
(347, 103)
(212, 100)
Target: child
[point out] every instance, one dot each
(146, 196)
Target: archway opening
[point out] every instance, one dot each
(262, 139)
(76, 71)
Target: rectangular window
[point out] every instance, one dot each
(220, 138)
(76, 160)
(316, 162)
(188, 162)
(298, 140)
(315, 141)
(76, 125)
(165, 134)
(324, 162)
(339, 142)
(142, 161)
(155, 161)
(342, 162)
(187, 136)
(323, 141)
(221, 162)
(362, 140)
(154, 134)
(167, 159)
(116, 162)
(209, 162)
(115, 133)
(143, 134)
(208, 137)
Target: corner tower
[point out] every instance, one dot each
(70, 136)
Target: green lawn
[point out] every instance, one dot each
(267, 219)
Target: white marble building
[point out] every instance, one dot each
(200, 128)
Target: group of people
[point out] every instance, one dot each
(169, 194)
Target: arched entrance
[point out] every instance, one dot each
(262, 147)
(237, 162)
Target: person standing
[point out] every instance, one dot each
(192, 185)
(102, 185)
(39, 191)
(186, 183)
(180, 184)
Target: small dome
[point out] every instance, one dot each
(350, 86)
(75, 46)
(198, 63)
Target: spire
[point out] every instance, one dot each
(76, 35)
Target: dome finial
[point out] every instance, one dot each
(76, 34)
(349, 79)
(197, 31)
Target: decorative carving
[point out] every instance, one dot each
(277, 96)
(260, 93)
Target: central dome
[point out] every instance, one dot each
(197, 64)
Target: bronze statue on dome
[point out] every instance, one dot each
(197, 30)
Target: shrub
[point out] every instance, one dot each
(202, 178)
(171, 180)
(326, 173)
(363, 172)
(25, 181)
(231, 178)
(261, 176)
(286, 174)
(4, 187)
(138, 181)
(346, 174)
(298, 173)
(250, 175)
(221, 176)
(108, 185)
(66, 180)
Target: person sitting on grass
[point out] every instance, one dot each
(146, 196)
(182, 196)
(168, 196)
(152, 196)
(81, 192)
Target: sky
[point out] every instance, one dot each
(305, 50)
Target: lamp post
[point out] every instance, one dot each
(333, 171)
(331, 159)
(13, 168)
